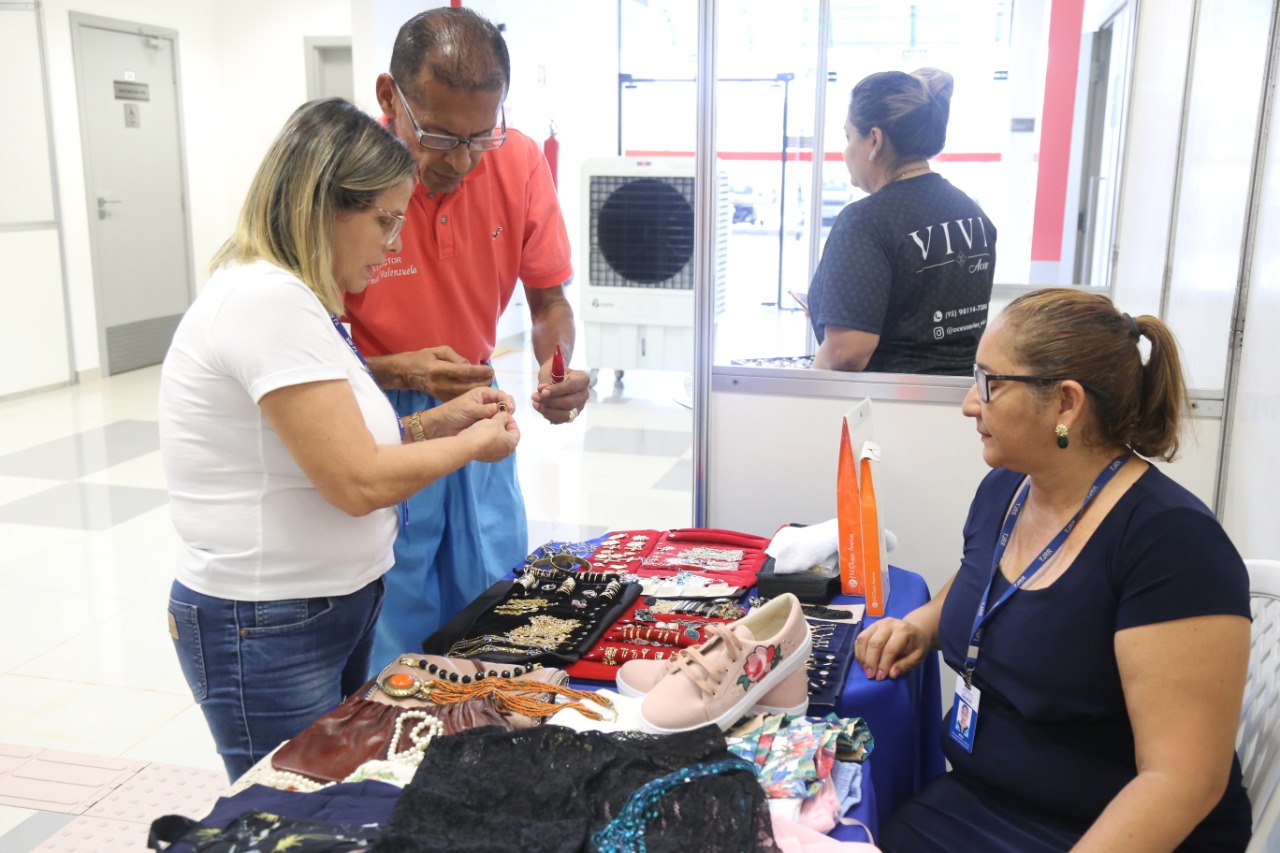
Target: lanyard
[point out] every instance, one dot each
(984, 614)
(342, 330)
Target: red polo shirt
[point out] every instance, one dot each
(462, 254)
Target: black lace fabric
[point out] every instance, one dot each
(551, 789)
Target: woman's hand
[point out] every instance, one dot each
(891, 647)
(468, 408)
(495, 438)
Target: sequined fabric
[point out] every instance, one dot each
(551, 789)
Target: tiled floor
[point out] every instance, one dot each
(98, 732)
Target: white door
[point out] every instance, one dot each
(135, 180)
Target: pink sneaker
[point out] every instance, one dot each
(791, 697)
(744, 664)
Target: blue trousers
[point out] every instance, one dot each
(262, 671)
(466, 530)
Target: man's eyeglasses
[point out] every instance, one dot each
(983, 381)
(391, 225)
(447, 142)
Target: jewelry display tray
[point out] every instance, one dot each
(479, 618)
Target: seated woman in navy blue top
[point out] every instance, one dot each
(1103, 660)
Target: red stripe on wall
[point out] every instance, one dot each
(807, 156)
(1065, 18)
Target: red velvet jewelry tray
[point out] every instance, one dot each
(597, 670)
(678, 551)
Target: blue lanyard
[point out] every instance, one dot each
(984, 614)
(342, 330)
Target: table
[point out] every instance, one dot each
(904, 715)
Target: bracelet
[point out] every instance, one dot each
(415, 427)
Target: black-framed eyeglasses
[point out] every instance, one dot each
(390, 230)
(448, 142)
(983, 380)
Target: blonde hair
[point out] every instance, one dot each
(329, 158)
(1072, 334)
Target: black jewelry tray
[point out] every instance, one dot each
(479, 618)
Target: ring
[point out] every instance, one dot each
(573, 413)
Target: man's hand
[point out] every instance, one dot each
(438, 371)
(561, 402)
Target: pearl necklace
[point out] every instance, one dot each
(286, 780)
(420, 736)
(412, 756)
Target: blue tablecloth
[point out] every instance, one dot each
(904, 715)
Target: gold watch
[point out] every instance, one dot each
(415, 427)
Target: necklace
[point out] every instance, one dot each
(912, 170)
(438, 672)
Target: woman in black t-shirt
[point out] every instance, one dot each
(906, 275)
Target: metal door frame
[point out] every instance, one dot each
(80, 21)
(1249, 237)
(315, 46)
(72, 375)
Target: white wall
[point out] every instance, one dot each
(242, 71)
(931, 462)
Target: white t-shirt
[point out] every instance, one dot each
(253, 526)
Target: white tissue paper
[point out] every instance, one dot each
(798, 549)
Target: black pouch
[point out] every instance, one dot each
(815, 586)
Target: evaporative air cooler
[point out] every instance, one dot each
(637, 298)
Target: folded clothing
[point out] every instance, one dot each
(798, 549)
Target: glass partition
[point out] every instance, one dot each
(1036, 136)
(772, 126)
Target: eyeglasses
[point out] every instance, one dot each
(447, 142)
(390, 230)
(983, 380)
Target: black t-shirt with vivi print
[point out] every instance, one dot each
(913, 263)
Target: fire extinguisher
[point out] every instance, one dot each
(551, 150)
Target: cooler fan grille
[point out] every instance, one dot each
(642, 232)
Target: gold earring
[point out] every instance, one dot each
(1061, 431)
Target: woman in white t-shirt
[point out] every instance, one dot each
(285, 462)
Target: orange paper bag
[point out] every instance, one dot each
(849, 518)
(864, 569)
(873, 556)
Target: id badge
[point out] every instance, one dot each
(964, 714)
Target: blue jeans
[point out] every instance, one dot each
(466, 530)
(262, 671)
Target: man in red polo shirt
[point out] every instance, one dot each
(483, 215)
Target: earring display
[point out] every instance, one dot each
(829, 662)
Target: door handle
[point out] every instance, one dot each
(102, 205)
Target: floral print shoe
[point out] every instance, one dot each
(717, 682)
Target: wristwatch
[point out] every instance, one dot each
(415, 427)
